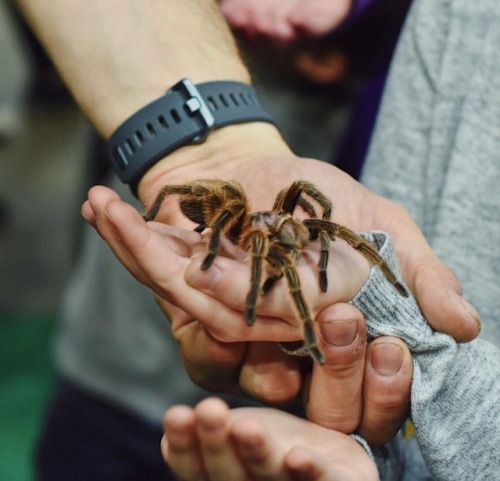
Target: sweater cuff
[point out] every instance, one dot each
(386, 312)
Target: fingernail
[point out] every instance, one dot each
(472, 313)
(387, 358)
(340, 332)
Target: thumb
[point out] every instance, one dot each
(439, 295)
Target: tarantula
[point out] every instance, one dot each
(274, 236)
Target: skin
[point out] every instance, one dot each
(333, 398)
(109, 86)
(213, 443)
(285, 21)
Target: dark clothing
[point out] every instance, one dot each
(86, 439)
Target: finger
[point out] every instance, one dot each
(96, 209)
(211, 364)
(435, 286)
(439, 295)
(349, 463)
(303, 464)
(229, 281)
(387, 389)
(88, 213)
(335, 397)
(269, 374)
(219, 456)
(254, 449)
(152, 259)
(180, 444)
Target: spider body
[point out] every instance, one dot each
(275, 238)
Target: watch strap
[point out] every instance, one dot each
(186, 114)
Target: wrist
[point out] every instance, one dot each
(221, 155)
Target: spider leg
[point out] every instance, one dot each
(371, 254)
(323, 260)
(275, 258)
(310, 340)
(150, 213)
(283, 265)
(282, 203)
(317, 231)
(269, 283)
(288, 199)
(333, 230)
(259, 248)
(213, 246)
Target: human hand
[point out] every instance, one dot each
(361, 386)
(284, 21)
(213, 443)
(149, 250)
(255, 156)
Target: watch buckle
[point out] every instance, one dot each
(196, 106)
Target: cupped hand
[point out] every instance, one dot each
(164, 258)
(213, 336)
(213, 443)
(264, 165)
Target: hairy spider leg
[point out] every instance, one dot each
(271, 280)
(279, 260)
(333, 230)
(231, 212)
(324, 255)
(260, 245)
(306, 206)
(150, 214)
(288, 199)
(310, 340)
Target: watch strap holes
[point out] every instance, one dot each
(150, 129)
(234, 99)
(175, 116)
(162, 121)
(130, 147)
(223, 100)
(211, 103)
(139, 138)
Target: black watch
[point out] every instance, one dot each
(186, 114)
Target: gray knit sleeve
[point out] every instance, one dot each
(455, 398)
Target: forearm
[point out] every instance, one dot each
(118, 55)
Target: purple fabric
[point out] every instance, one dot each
(358, 9)
(352, 151)
(360, 6)
(375, 26)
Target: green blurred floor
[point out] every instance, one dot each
(26, 376)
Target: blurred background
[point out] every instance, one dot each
(47, 159)
(44, 152)
(50, 156)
